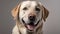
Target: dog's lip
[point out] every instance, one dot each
(29, 26)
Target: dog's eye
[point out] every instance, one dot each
(25, 8)
(37, 9)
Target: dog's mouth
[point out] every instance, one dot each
(31, 25)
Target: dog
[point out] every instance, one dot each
(29, 17)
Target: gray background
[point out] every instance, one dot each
(51, 26)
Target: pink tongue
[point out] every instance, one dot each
(30, 27)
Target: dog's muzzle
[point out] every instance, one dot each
(30, 26)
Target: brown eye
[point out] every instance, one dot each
(25, 8)
(37, 9)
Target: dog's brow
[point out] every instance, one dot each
(37, 5)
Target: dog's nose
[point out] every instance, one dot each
(32, 17)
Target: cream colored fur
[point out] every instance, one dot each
(19, 27)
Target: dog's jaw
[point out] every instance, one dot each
(23, 30)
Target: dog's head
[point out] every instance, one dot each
(30, 13)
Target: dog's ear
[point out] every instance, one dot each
(45, 13)
(15, 11)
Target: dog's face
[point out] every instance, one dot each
(30, 13)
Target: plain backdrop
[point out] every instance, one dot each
(51, 26)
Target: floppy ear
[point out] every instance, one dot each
(15, 11)
(45, 13)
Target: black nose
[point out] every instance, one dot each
(31, 18)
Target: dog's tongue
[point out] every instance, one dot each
(30, 27)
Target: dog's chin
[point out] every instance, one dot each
(30, 27)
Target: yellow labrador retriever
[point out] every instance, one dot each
(29, 17)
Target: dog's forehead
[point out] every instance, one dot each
(29, 3)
